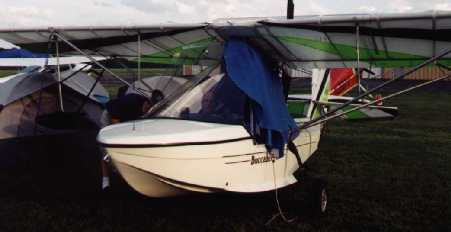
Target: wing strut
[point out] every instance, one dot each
(357, 45)
(139, 63)
(60, 90)
(62, 38)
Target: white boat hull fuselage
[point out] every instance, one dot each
(208, 158)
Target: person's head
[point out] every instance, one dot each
(156, 97)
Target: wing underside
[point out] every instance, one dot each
(386, 40)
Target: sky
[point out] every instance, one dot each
(32, 13)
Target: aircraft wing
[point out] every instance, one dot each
(385, 40)
(388, 40)
(158, 43)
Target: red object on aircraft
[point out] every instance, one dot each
(379, 100)
(342, 80)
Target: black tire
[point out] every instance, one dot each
(318, 198)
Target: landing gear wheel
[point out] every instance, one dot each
(319, 198)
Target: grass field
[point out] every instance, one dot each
(4, 73)
(383, 176)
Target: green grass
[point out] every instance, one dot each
(391, 175)
(382, 175)
(4, 73)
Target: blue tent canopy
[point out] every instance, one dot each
(20, 53)
(247, 69)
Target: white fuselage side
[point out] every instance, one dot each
(167, 157)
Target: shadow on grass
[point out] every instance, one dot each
(53, 183)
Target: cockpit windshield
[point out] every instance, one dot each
(216, 99)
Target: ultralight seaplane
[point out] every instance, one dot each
(228, 129)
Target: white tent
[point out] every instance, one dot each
(30, 103)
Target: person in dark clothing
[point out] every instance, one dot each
(127, 107)
(157, 96)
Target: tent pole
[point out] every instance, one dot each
(97, 62)
(60, 91)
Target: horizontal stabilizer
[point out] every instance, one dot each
(298, 106)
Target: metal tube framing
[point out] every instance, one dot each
(430, 60)
(96, 62)
(139, 57)
(358, 54)
(60, 90)
(139, 64)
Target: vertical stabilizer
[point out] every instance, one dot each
(342, 80)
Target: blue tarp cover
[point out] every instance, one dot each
(20, 53)
(247, 69)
